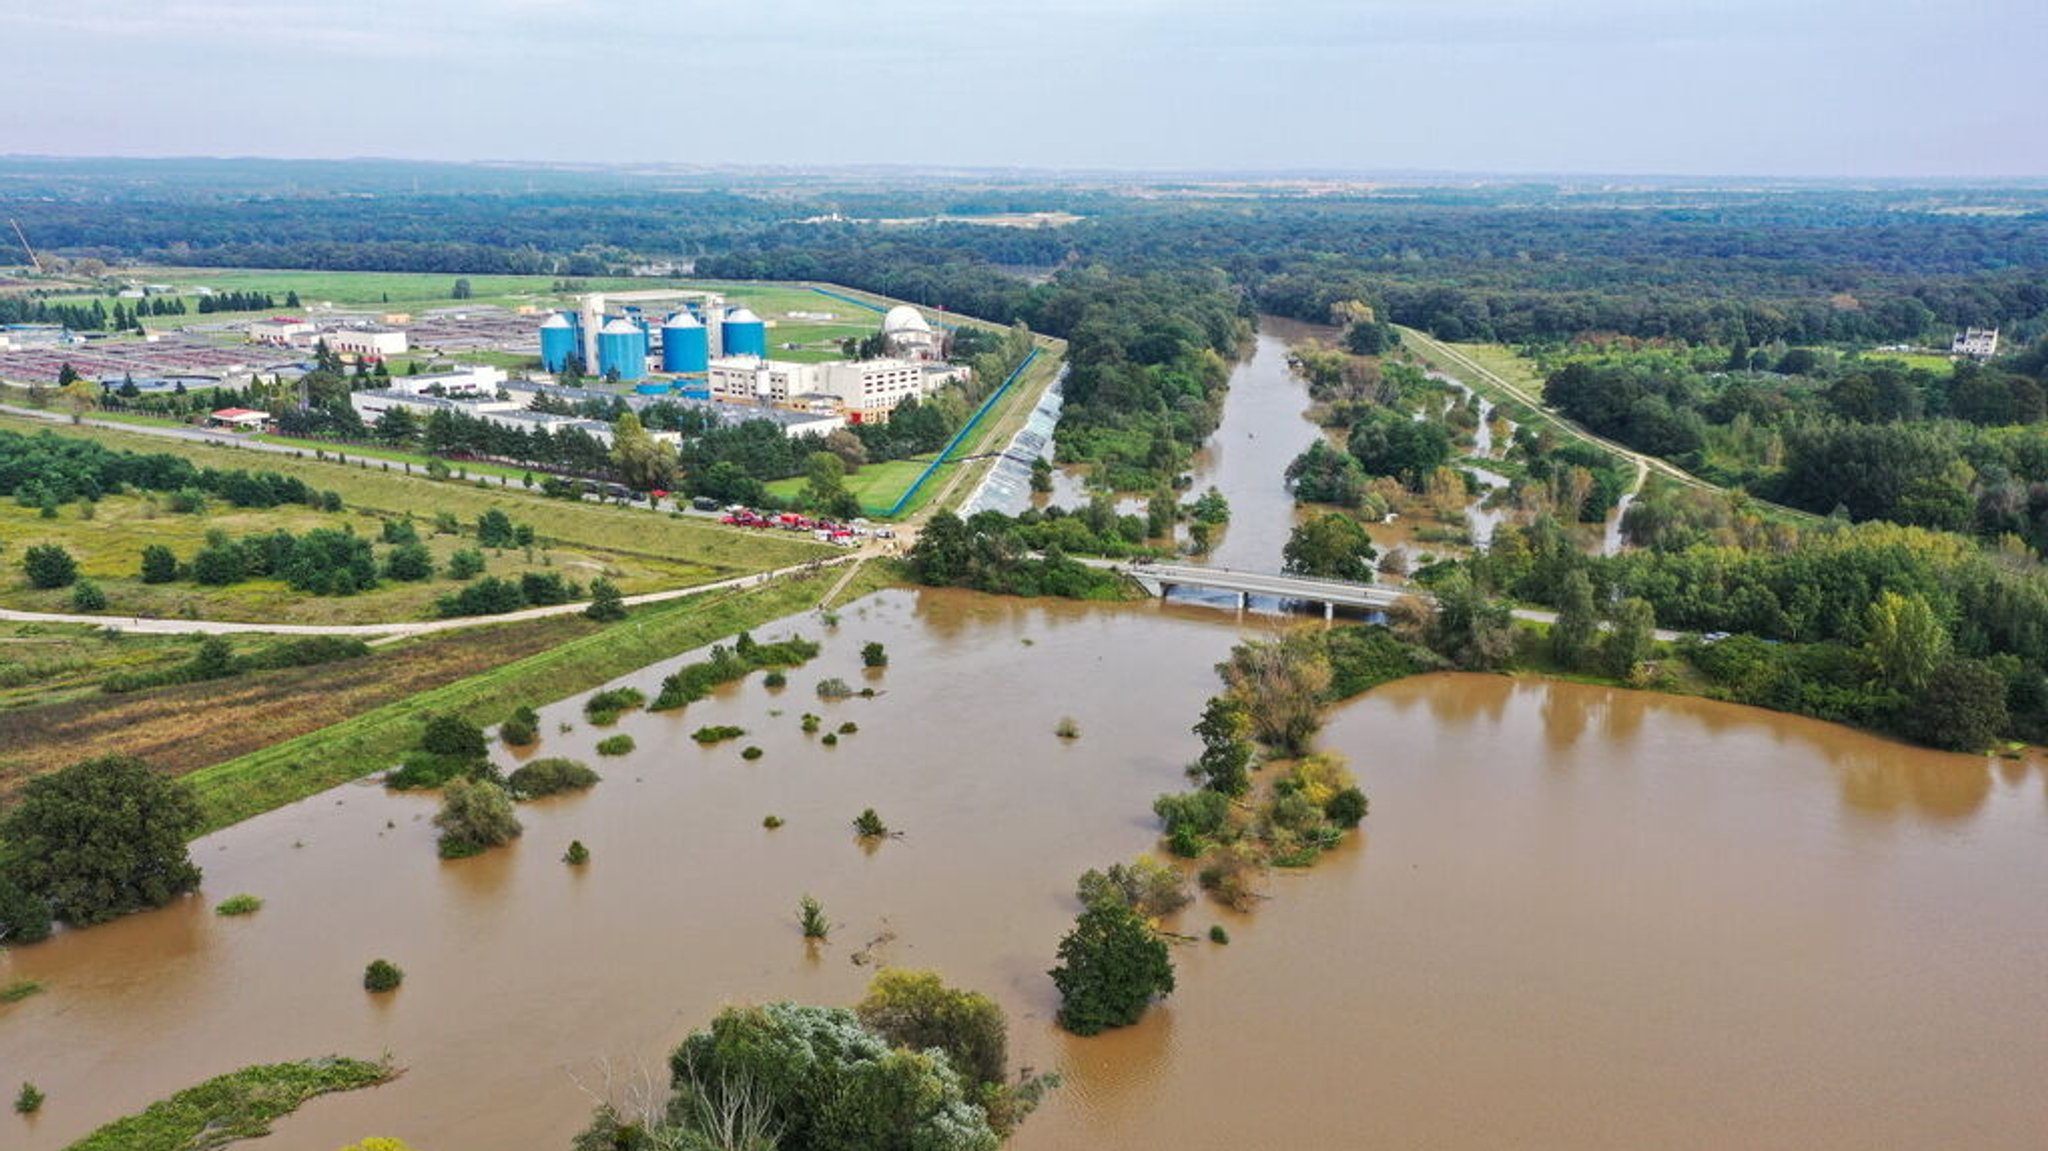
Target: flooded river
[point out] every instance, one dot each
(1263, 429)
(1578, 918)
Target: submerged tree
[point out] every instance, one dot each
(1226, 759)
(475, 815)
(97, 840)
(1111, 969)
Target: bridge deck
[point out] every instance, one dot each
(1342, 592)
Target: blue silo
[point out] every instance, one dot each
(745, 334)
(559, 342)
(685, 346)
(621, 351)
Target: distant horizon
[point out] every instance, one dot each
(1758, 89)
(1416, 177)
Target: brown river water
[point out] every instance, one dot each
(1577, 917)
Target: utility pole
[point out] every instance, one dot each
(32, 257)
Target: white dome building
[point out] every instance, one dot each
(909, 334)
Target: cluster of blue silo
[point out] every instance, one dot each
(561, 340)
(622, 350)
(620, 345)
(685, 345)
(745, 334)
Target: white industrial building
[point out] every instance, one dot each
(465, 380)
(282, 331)
(1978, 343)
(374, 343)
(864, 391)
(372, 406)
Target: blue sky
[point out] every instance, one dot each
(1691, 87)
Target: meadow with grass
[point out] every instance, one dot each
(637, 549)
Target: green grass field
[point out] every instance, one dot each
(876, 486)
(638, 549)
(1504, 362)
(1926, 361)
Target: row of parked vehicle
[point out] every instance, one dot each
(831, 531)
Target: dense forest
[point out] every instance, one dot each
(1502, 262)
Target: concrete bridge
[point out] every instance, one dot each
(1332, 594)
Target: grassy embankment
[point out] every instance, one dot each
(637, 549)
(185, 727)
(229, 1108)
(304, 766)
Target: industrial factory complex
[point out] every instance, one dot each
(684, 347)
(704, 350)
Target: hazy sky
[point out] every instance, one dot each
(1786, 87)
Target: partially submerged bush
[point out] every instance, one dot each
(1228, 873)
(834, 688)
(238, 905)
(551, 776)
(616, 745)
(1145, 885)
(869, 825)
(811, 914)
(605, 707)
(577, 855)
(382, 975)
(717, 734)
(522, 730)
(751, 753)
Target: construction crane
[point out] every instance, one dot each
(32, 257)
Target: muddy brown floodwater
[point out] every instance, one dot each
(1578, 918)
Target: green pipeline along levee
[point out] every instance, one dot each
(959, 437)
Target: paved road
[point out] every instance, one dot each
(400, 630)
